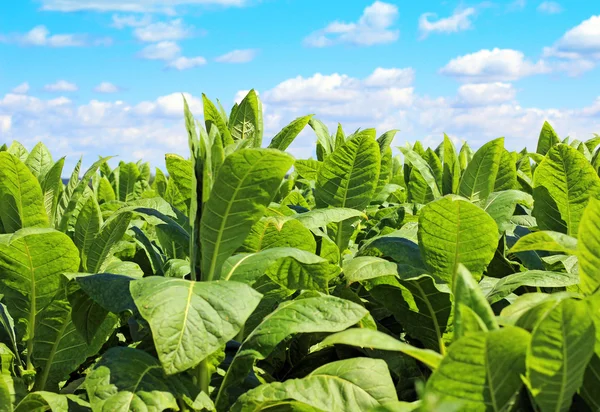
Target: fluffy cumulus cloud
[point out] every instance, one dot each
(106, 87)
(170, 53)
(375, 26)
(61, 86)
(237, 56)
(385, 99)
(161, 31)
(578, 50)
(40, 36)
(549, 7)
(184, 63)
(484, 94)
(459, 21)
(493, 65)
(165, 50)
(23, 88)
(134, 6)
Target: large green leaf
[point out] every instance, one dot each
(467, 293)
(179, 187)
(348, 177)
(589, 248)
(21, 199)
(319, 218)
(71, 198)
(44, 401)
(316, 314)
(127, 379)
(287, 135)
(273, 232)
(423, 307)
(479, 177)
(58, 348)
(363, 268)
(129, 174)
(31, 263)
(87, 227)
(100, 248)
(423, 168)
(289, 267)
(534, 278)
(52, 188)
(39, 161)
(352, 384)
(562, 186)
(453, 231)
(506, 178)
(548, 139)
(501, 206)
(369, 338)
(213, 117)
(482, 370)
(190, 320)
(546, 240)
(245, 121)
(247, 182)
(562, 344)
(451, 172)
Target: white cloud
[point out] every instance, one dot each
(493, 65)
(5, 123)
(549, 7)
(459, 21)
(578, 50)
(23, 88)
(582, 40)
(40, 36)
(120, 21)
(484, 94)
(133, 6)
(184, 63)
(160, 31)
(106, 87)
(391, 77)
(165, 50)
(237, 56)
(61, 86)
(149, 129)
(373, 27)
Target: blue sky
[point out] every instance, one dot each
(104, 77)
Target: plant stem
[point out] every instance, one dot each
(338, 239)
(203, 376)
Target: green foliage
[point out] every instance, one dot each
(243, 279)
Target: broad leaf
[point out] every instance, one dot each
(247, 182)
(21, 199)
(351, 384)
(368, 338)
(482, 370)
(127, 379)
(562, 344)
(589, 248)
(190, 320)
(453, 231)
(318, 314)
(563, 184)
(479, 178)
(348, 177)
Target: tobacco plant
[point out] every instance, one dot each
(243, 279)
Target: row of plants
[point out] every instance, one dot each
(243, 279)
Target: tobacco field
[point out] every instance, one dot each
(243, 279)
